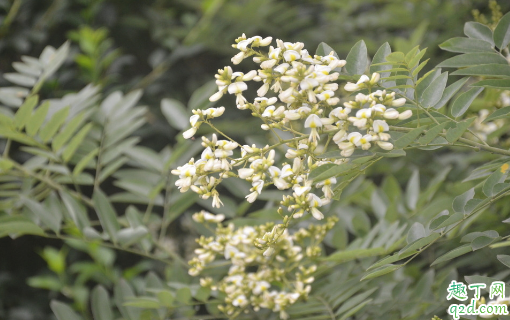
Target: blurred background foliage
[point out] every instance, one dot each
(171, 50)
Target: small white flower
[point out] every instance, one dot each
(274, 53)
(230, 252)
(240, 301)
(260, 287)
(313, 121)
(237, 87)
(380, 126)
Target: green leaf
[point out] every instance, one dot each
(323, 50)
(477, 30)
(25, 111)
(100, 302)
(408, 138)
(67, 132)
(466, 45)
(450, 91)
(166, 298)
(452, 254)
(498, 114)
(417, 231)
(356, 305)
(413, 190)
(473, 235)
(503, 84)
(434, 91)
(183, 295)
(495, 178)
(75, 142)
(455, 133)
(63, 311)
(75, 210)
(329, 170)
(432, 133)
(459, 203)
(200, 97)
(414, 61)
(424, 82)
(395, 57)
(203, 294)
(51, 283)
(123, 292)
(20, 79)
(357, 59)
(128, 236)
(348, 255)
(55, 60)
(491, 70)
(380, 56)
(18, 225)
(381, 271)
(501, 34)
(395, 153)
(411, 54)
(416, 245)
(482, 242)
(464, 101)
(419, 68)
(106, 214)
(472, 59)
(175, 113)
(37, 119)
(48, 131)
(143, 303)
(454, 218)
(50, 219)
(504, 259)
(82, 164)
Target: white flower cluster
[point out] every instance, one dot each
(197, 175)
(272, 281)
(300, 91)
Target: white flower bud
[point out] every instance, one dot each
(351, 87)
(245, 173)
(189, 133)
(268, 64)
(217, 96)
(398, 102)
(238, 58)
(391, 114)
(385, 145)
(405, 115)
(375, 78)
(266, 41)
(250, 75)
